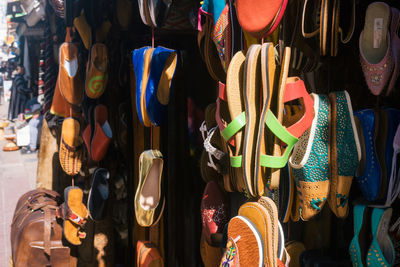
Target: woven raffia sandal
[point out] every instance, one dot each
(71, 147)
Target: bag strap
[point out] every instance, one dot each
(47, 231)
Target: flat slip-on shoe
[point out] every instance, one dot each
(368, 175)
(149, 197)
(309, 161)
(245, 246)
(345, 152)
(251, 96)
(71, 147)
(102, 133)
(359, 244)
(214, 211)
(74, 214)
(98, 194)
(375, 46)
(96, 71)
(381, 252)
(59, 106)
(389, 119)
(233, 132)
(261, 219)
(141, 65)
(69, 78)
(162, 70)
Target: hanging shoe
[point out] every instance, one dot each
(309, 161)
(375, 44)
(345, 153)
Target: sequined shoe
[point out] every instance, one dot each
(309, 161)
(345, 152)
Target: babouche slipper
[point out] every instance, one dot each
(96, 71)
(368, 175)
(98, 194)
(141, 65)
(309, 161)
(69, 79)
(162, 70)
(71, 147)
(345, 153)
(214, 212)
(97, 140)
(149, 197)
(74, 214)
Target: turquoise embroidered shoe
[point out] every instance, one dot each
(345, 152)
(381, 252)
(357, 249)
(309, 161)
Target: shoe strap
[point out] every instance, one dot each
(297, 90)
(233, 128)
(282, 133)
(347, 38)
(304, 33)
(70, 215)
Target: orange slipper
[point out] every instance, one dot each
(10, 146)
(96, 71)
(69, 80)
(71, 149)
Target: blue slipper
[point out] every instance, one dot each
(381, 252)
(141, 65)
(358, 251)
(369, 172)
(98, 194)
(162, 70)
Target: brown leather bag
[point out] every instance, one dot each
(36, 234)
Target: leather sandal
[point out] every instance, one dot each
(74, 214)
(71, 149)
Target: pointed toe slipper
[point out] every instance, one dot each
(96, 72)
(162, 71)
(141, 65)
(70, 84)
(309, 161)
(345, 152)
(98, 194)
